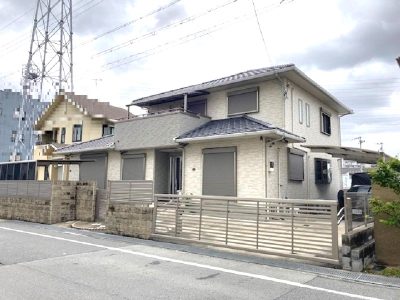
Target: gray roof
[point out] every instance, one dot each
(197, 88)
(103, 143)
(290, 70)
(235, 125)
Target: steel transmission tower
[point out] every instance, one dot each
(49, 66)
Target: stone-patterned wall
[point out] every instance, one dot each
(63, 202)
(70, 201)
(85, 201)
(129, 219)
(25, 209)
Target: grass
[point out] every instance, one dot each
(391, 272)
(385, 271)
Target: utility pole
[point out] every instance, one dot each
(381, 147)
(360, 141)
(49, 67)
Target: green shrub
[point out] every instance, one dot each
(389, 210)
(387, 174)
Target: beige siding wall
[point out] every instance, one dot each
(250, 166)
(313, 133)
(114, 165)
(270, 103)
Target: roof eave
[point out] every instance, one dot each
(291, 138)
(342, 108)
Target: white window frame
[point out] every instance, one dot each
(301, 112)
(308, 118)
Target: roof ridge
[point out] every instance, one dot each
(221, 79)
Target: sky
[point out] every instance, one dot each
(124, 50)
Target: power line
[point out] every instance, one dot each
(261, 33)
(131, 22)
(16, 19)
(156, 31)
(193, 36)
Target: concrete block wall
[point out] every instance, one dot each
(25, 209)
(358, 249)
(70, 201)
(63, 202)
(85, 201)
(128, 219)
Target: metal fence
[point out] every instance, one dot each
(26, 188)
(139, 192)
(294, 228)
(356, 210)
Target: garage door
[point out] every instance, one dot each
(94, 171)
(219, 171)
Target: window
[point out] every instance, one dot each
(55, 135)
(296, 165)
(198, 107)
(243, 101)
(108, 129)
(323, 172)
(77, 133)
(219, 171)
(308, 118)
(300, 111)
(13, 136)
(325, 122)
(62, 138)
(133, 166)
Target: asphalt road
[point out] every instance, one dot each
(50, 262)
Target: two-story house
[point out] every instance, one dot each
(243, 135)
(71, 119)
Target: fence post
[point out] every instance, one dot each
(201, 217)
(258, 222)
(292, 223)
(347, 214)
(365, 209)
(227, 217)
(176, 215)
(153, 227)
(335, 245)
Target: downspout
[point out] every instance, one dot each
(308, 174)
(279, 171)
(292, 103)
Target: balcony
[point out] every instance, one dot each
(155, 130)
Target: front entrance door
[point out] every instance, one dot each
(175, 173)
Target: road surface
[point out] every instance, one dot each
(51, 262)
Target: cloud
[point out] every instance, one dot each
(173, 13)
(374, 37)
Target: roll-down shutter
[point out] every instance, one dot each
(133, 166)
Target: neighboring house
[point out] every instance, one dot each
(244, 135)
(68, 120)
(10, 111)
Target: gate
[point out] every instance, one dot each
(301, 228)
